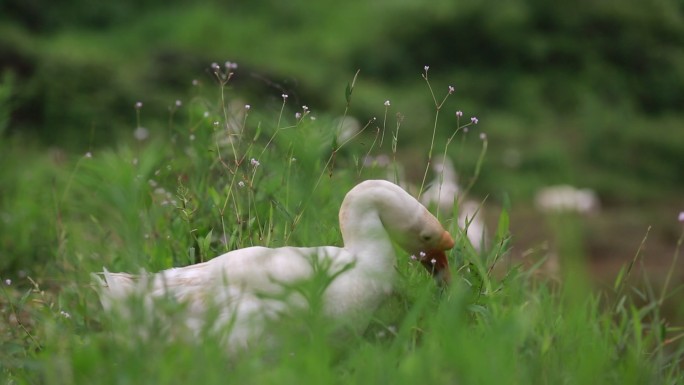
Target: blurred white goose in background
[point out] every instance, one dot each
(566, 198)
(470, 221)
(243, 284)
(347, 128)
(444, 189)
(444, 192)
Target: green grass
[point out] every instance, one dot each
(186, 194)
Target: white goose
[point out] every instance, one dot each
(243, 283)
(444, 191)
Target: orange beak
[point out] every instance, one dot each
(435, 260)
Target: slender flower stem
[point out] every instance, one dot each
(438, 107)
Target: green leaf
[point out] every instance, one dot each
(348, 93)
(503, 227)
(215, 197)
(204, 244)
(191, 255)
(258, 132)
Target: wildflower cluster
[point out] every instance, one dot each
(303, 113)
(421, 257)
(223, 74)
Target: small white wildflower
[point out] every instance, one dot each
(474, 120)
(298, 115)
(88, 154)
(192, 137)
(247, 107)
(413, 257)
(312, 118)
(387, 103)
(241, 184)
(65, 314)
(254, 162)
(392, 329)
(681, 216)
(138, 105)
(422, 254)
(284, 96)
(305, 108)
(451, 89)
(215, 66)
(231, 66)
(147, 236)
(8, 282)
(483, 136)
(195, 82)
(426, 68)
(216, 123)
(293, 160)
(178, 103)
(152, 183)
(141, 133)
(433, 261)
(459, 114)
(206, 114)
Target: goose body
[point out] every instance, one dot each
(252, 285)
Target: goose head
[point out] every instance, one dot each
(420, 234)
(405, 220)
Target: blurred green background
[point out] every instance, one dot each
(579, 92)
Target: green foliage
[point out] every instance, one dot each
(569, 92)
(6, 89)
(29, 187)
(202, 185)
(586, 84)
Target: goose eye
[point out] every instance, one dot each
(426, 237)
